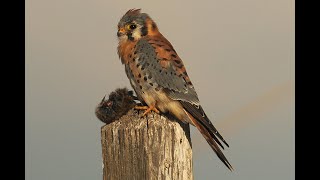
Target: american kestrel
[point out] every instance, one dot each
(159, 78)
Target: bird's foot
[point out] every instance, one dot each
(148, 109)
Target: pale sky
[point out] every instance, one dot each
(239, 55)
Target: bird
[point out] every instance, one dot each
(159, 78)
(120, 101)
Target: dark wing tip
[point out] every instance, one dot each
(198, 113)
(212, 128)
(225, 142)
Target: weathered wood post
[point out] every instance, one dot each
(148, 148)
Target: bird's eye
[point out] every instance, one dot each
(132, 26)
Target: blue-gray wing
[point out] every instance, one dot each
(174, 80)
(168, 78)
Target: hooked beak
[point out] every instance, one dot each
(121, 32)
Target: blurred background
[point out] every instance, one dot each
(238, 53)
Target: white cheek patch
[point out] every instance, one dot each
(136, 34)
(123, 38)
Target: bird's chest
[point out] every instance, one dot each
(142, 69)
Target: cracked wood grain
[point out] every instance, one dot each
(150, 148)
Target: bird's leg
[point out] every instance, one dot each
(152, 108)
(148, 109)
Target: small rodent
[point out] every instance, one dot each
(119, 103)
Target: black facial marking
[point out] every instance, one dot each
(145, 78)
(130, 36)
(173, 55)
(144, 31)
(154, 26)
(151, 84)
(168, 50)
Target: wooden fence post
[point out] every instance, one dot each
(148, 148)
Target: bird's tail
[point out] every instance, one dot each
(211, 139)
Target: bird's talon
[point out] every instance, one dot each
(148, 109)
(141, 107)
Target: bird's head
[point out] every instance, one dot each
(135, 25)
